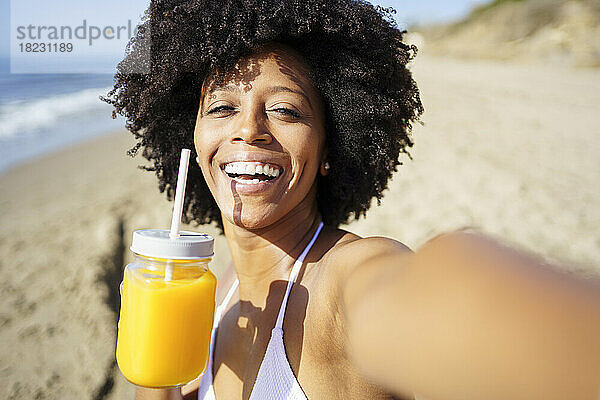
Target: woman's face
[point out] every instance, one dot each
(260, 138)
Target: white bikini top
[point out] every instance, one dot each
(275, 379)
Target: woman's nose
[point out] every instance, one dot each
(251, 129)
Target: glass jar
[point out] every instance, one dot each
(167, 309)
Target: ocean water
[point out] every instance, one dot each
(42, 113)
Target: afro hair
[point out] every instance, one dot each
(357, 61)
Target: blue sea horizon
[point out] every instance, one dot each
(43, 113)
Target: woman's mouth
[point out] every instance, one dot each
(252, 176)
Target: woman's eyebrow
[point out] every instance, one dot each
(279, 89)
(210, 93)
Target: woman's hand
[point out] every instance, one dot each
(142, 393)
(468, 318)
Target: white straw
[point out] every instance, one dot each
(179, 192)
(169, 271)
(178, 204)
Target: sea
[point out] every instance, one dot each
(42, 113)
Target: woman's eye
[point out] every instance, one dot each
(220, 110)
(287, 112)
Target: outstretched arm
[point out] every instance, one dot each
(468, 318)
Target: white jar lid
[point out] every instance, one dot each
(157, 243)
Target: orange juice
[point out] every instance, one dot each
(165, 326)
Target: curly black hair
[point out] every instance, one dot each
(357, 61)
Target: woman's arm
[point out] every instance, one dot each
(468, 318)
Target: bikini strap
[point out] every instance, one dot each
(293, 275)
(221, 308)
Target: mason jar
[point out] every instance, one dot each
(167, 309)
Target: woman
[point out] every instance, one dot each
(299, 111)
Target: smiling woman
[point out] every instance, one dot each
(298, 112)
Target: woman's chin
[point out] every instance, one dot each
(250, 218)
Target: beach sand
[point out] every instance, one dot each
(509, 149)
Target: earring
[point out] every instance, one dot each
(325, 168)
(197, 160)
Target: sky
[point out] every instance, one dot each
(408, 12)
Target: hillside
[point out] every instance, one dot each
(565, 32)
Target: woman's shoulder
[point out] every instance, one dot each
(350, 251)
(345, 257)
(326, 327)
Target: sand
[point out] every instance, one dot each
(564, 32)
(510, 149)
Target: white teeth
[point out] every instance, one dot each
(247, 181)
(251, 168)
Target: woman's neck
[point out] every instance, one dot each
(266, 255)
